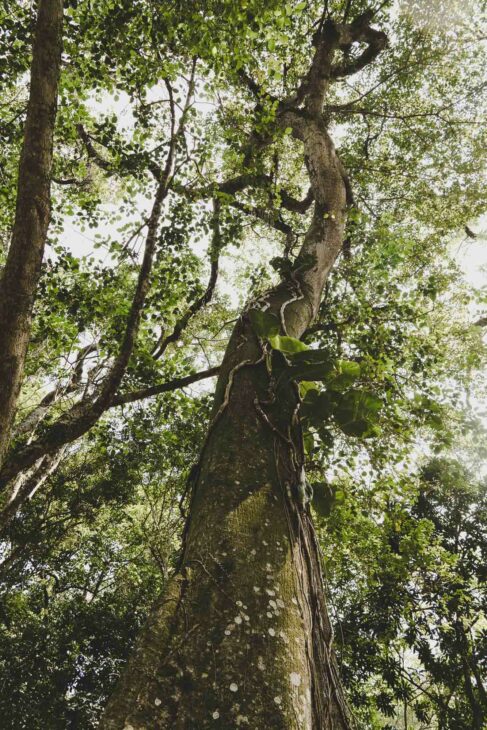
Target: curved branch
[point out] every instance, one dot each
(359, 32)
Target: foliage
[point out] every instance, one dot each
(384, 374)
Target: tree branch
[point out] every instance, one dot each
(20, 277)
(82, 416)
(359, 31)
(206, 296)
(170, 385)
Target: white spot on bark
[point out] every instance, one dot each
(157, 702)
(237, 620)
(216, 715)
(233, 687)
(295, 679)
(260, 664)
(272, 632)
(277, 700)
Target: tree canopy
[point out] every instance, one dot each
(179, 196)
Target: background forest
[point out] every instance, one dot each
(395, 431)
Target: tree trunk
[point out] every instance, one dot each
(242, 637)
(18, 284)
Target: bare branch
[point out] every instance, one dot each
(170, 385)
(206, 296)
(359, 31)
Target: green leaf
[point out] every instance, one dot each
(323, 498)
(264, 324)
(357, 412)
(287, 344)
(311, 365)
(317, 407)
(305, 386)
(345, 373)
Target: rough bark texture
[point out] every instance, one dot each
(242, 637)
(18, 284)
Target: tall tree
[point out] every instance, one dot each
(248, 591)
(243, 634)
(20, 276)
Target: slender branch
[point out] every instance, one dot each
(104, 164)
(29, 487)
(264, 214)
(175, 384)
(32, 420)
(206, 296)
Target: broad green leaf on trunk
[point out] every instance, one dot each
(264, 323)
(357, 413)
(288, 345)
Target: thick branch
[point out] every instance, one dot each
(359, 32)
(25, 486)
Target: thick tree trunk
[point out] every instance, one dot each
(242, 637)
(19, 280)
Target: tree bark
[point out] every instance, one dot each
(20, 277)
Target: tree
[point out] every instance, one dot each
(412, 626)
(249, 547)
(22, 269)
